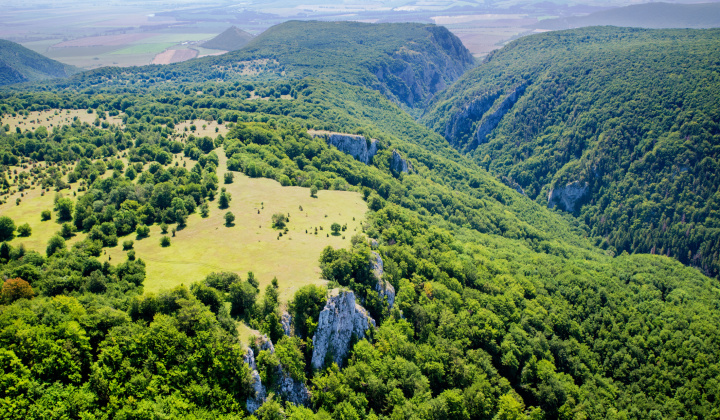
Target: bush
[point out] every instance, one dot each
(24, 230)
(313, 191)
(45, 215)
(127, 245)
(7, 228)
(279, 220)
(14, 289)
(142, 231)
(165, 241)
(131, 255)
(67, 230)
(56, 243)
(229, 177)
(204, 210)
(229, 219)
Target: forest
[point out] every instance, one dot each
(502, 308)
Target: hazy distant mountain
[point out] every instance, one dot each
(650, 15)
(19, 64)
(232, 39)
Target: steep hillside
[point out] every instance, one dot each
(19, 64)
(618, 126)
(232, 39)
(649, 15)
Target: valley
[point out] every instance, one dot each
(364, 221)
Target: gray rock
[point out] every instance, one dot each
(340, 321)
(264, 343)
(383, 287)
(291, 390)
(354, 145)
(568, 197)
(286, 321)
(373, 243)
(398, 163)
(259, 394)
(489, 122)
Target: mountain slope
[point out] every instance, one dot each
(232, 39)
(618, 126)
(649, 15)
(19, 64)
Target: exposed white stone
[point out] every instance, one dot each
(340, 321)
(567, 197)
(383, 287)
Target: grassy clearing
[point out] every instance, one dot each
(153, 48)
(53, 118)
(207, 245)
(202, 128)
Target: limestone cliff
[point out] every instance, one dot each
(259, 393)
(340, 321)
(354, 145)
(398, 163)
(489, 122)
(383, 287)
(568, 197)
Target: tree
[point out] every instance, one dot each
(67, 231)
(56, 244)
(272, 327)
(7, 228)
(224, 200)
(242, 298)
(128, 245)
(165, 241)
(229, 219)
(142, 231)
(64, 209)
(204, 210)
(14, 289)
(45, 215)
(279, 220)
(24, 230)
(335, 227)
(313, 191)
(306, 305)
(229, 177)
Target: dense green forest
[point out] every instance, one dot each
(630, 113)
(19, 64)
(503, 309)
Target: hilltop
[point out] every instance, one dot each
(231, 39)
(19, 64)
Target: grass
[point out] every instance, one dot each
(53, 118)
(209, 129)
(146, 48)
(207, 245)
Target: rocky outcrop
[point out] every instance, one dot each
(399, 164)
(287, 388)
(286, 321)
(568, 197)
(416, 71)
(382, 286)
(339, 323)
(489, 122)
(462, 121)
(292, 390)
(258, 390)
(354, 145)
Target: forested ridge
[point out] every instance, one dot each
(503, 308)
(631, 113)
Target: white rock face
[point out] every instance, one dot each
(568, 196)
(354, 145)
(259, 392)
(398, 163)
(340, 320)
(286, 321)
(384, 288)
(288, 388)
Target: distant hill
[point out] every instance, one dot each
(232, 39)
(649, 15)
(407, 62)
(19, 64)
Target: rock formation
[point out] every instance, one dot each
(383, 287)
(354, 145)
(286, 321)
(489, 122)
(568, 197)
(340, 321)
(398, 163)
(259, 394)
(288, 388)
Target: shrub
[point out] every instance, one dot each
(165, 241)
(229, 218)
(127, 245)
(24, 230)
(45, 215)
